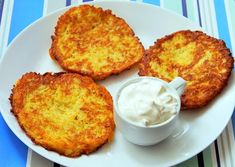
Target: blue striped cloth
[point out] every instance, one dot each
(217, 17)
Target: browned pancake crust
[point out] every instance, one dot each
(63, 112)
(203, 61)
(94, 42)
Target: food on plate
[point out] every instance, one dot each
(147, 102)
(203, 61)
(94, 42)
(63, 112)
(147, 108)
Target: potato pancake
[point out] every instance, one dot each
(94, 42)
(203, 61)
(63, 112)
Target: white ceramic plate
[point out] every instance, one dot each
(195, 130)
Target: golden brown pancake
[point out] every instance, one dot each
(63, 112)
(203, 61)
(94, 42)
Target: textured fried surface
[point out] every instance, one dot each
(203, 61)
(94, 42)
(63, 112)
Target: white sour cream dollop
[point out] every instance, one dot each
(147, 102)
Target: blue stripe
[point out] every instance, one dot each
(68, 2)
(184, 8)
(24, 13)
(154, 2)
(1, 9)
(12, 151)
(222, 23)
(199, 13)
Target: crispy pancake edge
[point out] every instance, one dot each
(186, 104)
(54, 52)
(89, 150)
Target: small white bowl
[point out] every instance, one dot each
(149, 135)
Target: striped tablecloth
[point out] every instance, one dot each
(217, 17)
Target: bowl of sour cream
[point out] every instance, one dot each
(146, 109)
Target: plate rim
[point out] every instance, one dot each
(63, 9)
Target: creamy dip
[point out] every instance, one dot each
(147, 102)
